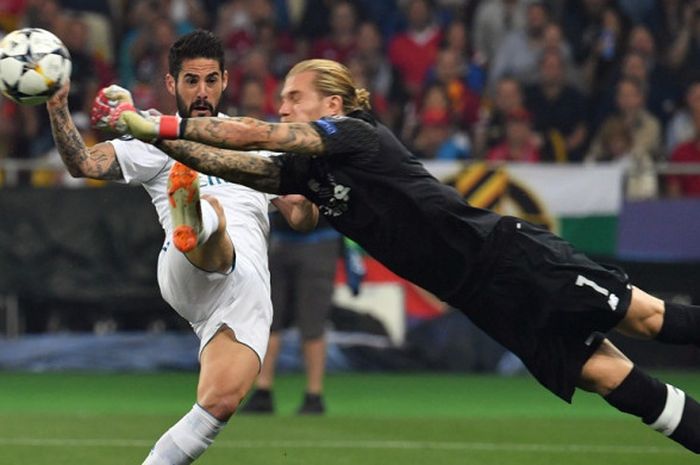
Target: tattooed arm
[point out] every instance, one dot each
(97, 162)
(249, 169)
(245, 133)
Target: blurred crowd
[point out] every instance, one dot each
(559, 81)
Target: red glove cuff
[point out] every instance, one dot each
(117, 112)
(100, 109)
(169, 127)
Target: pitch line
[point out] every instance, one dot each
(396, 445)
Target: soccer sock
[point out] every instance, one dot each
(186, 440)
(681, 324)
(663, 407)
(210, 222)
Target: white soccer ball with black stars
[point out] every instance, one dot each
(34, 64)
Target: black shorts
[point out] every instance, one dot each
(302, 276)
(545, 301)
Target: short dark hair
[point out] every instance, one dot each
(196, 44)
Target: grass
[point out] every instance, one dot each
(105, 419)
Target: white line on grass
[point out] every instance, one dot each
(403, 445)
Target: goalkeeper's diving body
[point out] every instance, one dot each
(527, 288)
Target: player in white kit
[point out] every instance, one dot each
(213, 265)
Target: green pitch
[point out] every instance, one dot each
(377, 419)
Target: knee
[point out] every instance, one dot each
(219, 210)
(221, 402)
(603, 374)
(598, 383)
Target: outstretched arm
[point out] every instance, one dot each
(239, 133)
(249, 169)
(243, 133)
(97, 162)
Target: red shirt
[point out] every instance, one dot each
(326, 48)
(688, 152)
(412, 58)
(501, 152)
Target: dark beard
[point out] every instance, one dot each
(186, 111)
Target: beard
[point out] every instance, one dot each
(197, 106)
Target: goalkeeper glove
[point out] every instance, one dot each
(113, 109)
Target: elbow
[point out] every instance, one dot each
(76, 173)
(307, 223)
(305, 227)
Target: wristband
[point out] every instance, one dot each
(168, 127)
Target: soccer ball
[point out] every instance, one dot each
(34, 64)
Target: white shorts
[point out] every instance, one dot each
(208, 300)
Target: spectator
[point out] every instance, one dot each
(520, 143)
(370, 65)
(289, 14)
(456, 39)
(279, 45)
(637, 10)
(645, 131)
(237, 24)
(10, 128)
(252, 101)
(11, 12)
(449, 72)
(150, 57)
(187, 15)
(685, 185)
(583, 22)
(437, 136)
(684, 53)
(33, 126)
(644, 127)
(519, 51)
(554, 40)
(413, 52)
(313, 22)
(493, 20)
(142, 15)
(601, 62)
(633, 66)
(360, 75)
(558, 111)
(615, 144)
(44, 14)
(340, 43)
(254, 65)
(662, 84)
(85, 74)
(666, 21)
(490, 129)
(631, 105)
(683, 126)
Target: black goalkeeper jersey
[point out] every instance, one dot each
(373, 190)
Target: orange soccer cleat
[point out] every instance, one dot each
(185, 211)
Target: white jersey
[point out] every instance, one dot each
(246, 210)
(240, 299)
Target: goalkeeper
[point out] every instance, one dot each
(527, 288)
